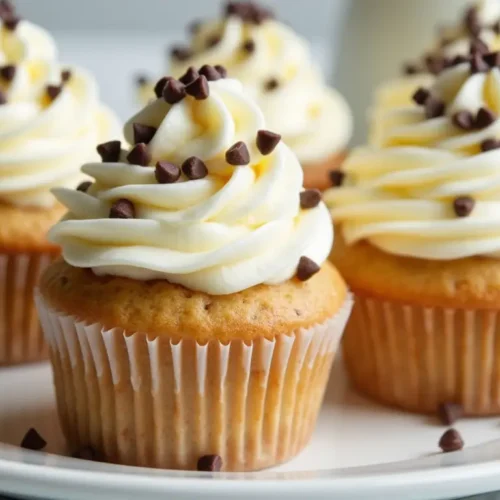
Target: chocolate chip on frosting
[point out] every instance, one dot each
(122, 209)
(110, 151)
(11, 22)
(477, 46)
(435, 64)
(434, 108)
(463, 120)
(306, 269)
(174, 91)
(139, 155)
(484, 118)
(477, 64)
(267, 141)
(337, 177)
(492, 59)
(194, 168)
(53, 91)
(238, 154)
(33, 441)
(181, 53)
(210, 73)
(84, 186)
(459, 59)
(248, 46)
(463, 206)
(489, 145)
(271, 84)
(189, 76)
(199, 89)
(8, 72)
(411, 69)
(143, 133)
(66, 75)
(160, 86)
(209, 463)
(450, 441)
(310, 198)
(167, 173)
(420, 96)
(222, 70)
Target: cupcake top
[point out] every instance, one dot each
(50, 116)
(432, 187)
(207, 197)
(275, 65)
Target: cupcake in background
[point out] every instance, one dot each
(480, 24)
(419, 218)
(275, 65)
(195, 313)
(50, 122)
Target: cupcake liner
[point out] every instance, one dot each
(417, 358)
(161, 403)
(21, 339)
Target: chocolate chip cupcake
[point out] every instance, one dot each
(480, 24)
(419, 219)
(275, 65)
(50, 122)
(193, 314)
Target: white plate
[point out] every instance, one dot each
(360, 450)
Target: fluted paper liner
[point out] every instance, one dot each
(417, 357)
(21, 338)
(156, 403)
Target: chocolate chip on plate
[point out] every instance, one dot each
(33, 441)
(122, 209)
(194, 168)
(238, 154)
(306, 269)
(110, 151)
(450, 441)
(209, 463)
(267, 141)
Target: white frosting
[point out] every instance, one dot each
(236, 228)
(315, 120)
(43, 143)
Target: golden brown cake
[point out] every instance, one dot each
(195, 313)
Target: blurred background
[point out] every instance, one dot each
(359, 43)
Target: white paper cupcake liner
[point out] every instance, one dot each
(418, 357)
(21, 338)
(156, 403)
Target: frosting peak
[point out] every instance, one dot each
(209, 199)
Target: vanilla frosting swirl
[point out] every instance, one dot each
(237, 227)
(43, 140)
(314, 120)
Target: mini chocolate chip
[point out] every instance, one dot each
(53, 91)
(213, 40)
(492, 59)
(8, 72)
(139, 155)
(84, 186)
(267, 141)
(463, 206)
(87, 453)
(420, 96)
(194, 168)
(110, 151)
(181, 53)
(3, 98)
(463, 120)
(66, 75)
(160, 86)
(222, 70)
(189, 76)
(484, 118)
(336, 177)
(174, 91)
(199, 89)
(306, 269)
(209, 463)
(249, 46)
(143, 133)
(434, 108)
(11, 22)
(210, 73)
(310, 198)
(477, 46)
(167, 173)
(410, 69)
(489, 145)
(477, 64)
(238, 154)
(33, 441)
(122, 209)
(271, 84)
(451, 440)
(449, 413)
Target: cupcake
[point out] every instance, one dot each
(274, 64)
(50, 122)
(419, 218)
(479, 23)
(193, 314)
